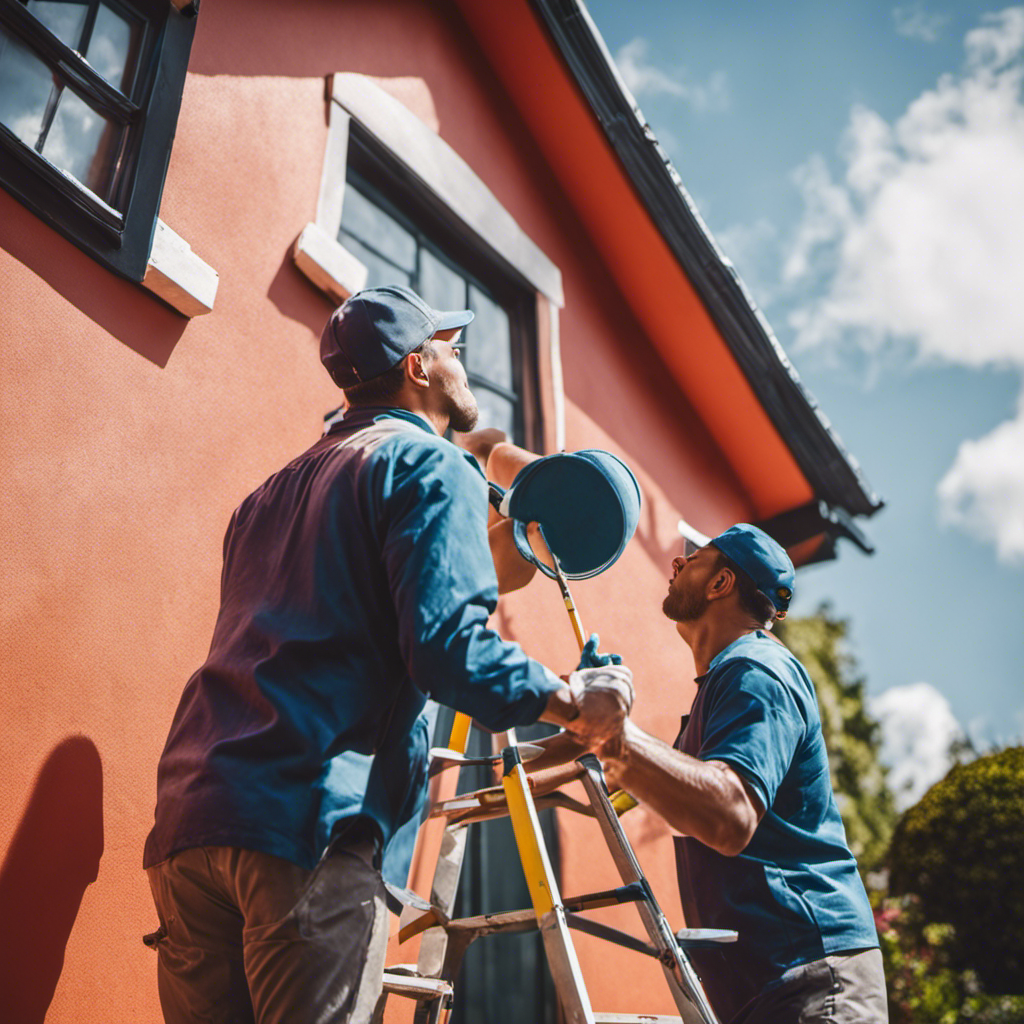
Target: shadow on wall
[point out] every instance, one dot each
(125, 310)
(54, 856)
(297, 298)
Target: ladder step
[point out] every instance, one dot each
(635, 1018)
(414, 986)
(490, 803)
(704, 938)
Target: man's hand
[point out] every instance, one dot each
(604, 697)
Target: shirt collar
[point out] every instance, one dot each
(361, 415)
(723, 653)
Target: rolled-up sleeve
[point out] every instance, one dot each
(433, 516)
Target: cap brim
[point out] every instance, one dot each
(455, 318)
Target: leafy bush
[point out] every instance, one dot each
(960, 851)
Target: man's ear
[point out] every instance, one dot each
(416, 371)
(722, 584)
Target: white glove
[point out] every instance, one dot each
(617, 679)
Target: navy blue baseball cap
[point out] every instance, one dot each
(376, 328)
(763, 559)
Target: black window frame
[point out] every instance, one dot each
(403, 196)
(119, 239)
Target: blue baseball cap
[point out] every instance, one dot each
(376, 328)
(763, 559)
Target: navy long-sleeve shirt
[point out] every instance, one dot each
(357, 582)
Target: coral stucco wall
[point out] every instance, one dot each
(130, 434)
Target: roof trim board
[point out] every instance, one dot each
(833, 473)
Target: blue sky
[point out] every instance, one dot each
(862, 164)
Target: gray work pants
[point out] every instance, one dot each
(246, 938)
(846, 988)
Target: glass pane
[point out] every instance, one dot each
(114, 47)
(372, 226)
(380, 271)
(495, 411)
(64, 19)
(26, 85)
(439, 284)
(83, 143)
(488, 340)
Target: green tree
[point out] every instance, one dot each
(960, 851)
(852, 736)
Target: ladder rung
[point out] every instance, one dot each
(487, 804)
(502, 921)
(415, 986)
(635, 1018)
(704, 938)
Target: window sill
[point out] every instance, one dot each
(177, 275)
(328, 264)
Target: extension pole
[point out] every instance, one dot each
(570, 605)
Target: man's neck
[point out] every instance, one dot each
(709, 635)
(435, 419)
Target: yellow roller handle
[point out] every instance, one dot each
(574, 618)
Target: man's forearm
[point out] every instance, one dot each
(703, 799)
(561, 709)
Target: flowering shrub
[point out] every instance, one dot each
(960, 851)
(951, 926)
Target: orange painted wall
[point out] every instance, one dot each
(130, 433)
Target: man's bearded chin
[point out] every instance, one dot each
(462, 416)
(684, 607)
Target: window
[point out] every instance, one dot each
(395, 250)
(86, 122)
(396, 202)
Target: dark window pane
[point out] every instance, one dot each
(488, 342)
(83, 143)
(439, 284)
(26, 85)
(64, 19)
(372, 226)
(114, 47)
(495, 411)
(380, 271)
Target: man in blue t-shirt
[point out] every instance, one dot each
(357, 582)
(763, 850)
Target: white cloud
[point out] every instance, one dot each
(645, 79)
(921, 241)
(983, 491)
(918, 727)
(914, 22)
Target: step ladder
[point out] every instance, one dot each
(442, 838)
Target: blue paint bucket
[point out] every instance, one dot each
(587, 504)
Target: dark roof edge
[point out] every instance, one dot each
(829, 468)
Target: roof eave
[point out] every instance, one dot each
(830, 469)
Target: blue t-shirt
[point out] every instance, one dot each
(357, 582)
(794, 894)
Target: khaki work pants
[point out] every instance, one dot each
(247, 938)
(845, 988)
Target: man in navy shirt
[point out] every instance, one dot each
(357, 582)
(763, 850)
